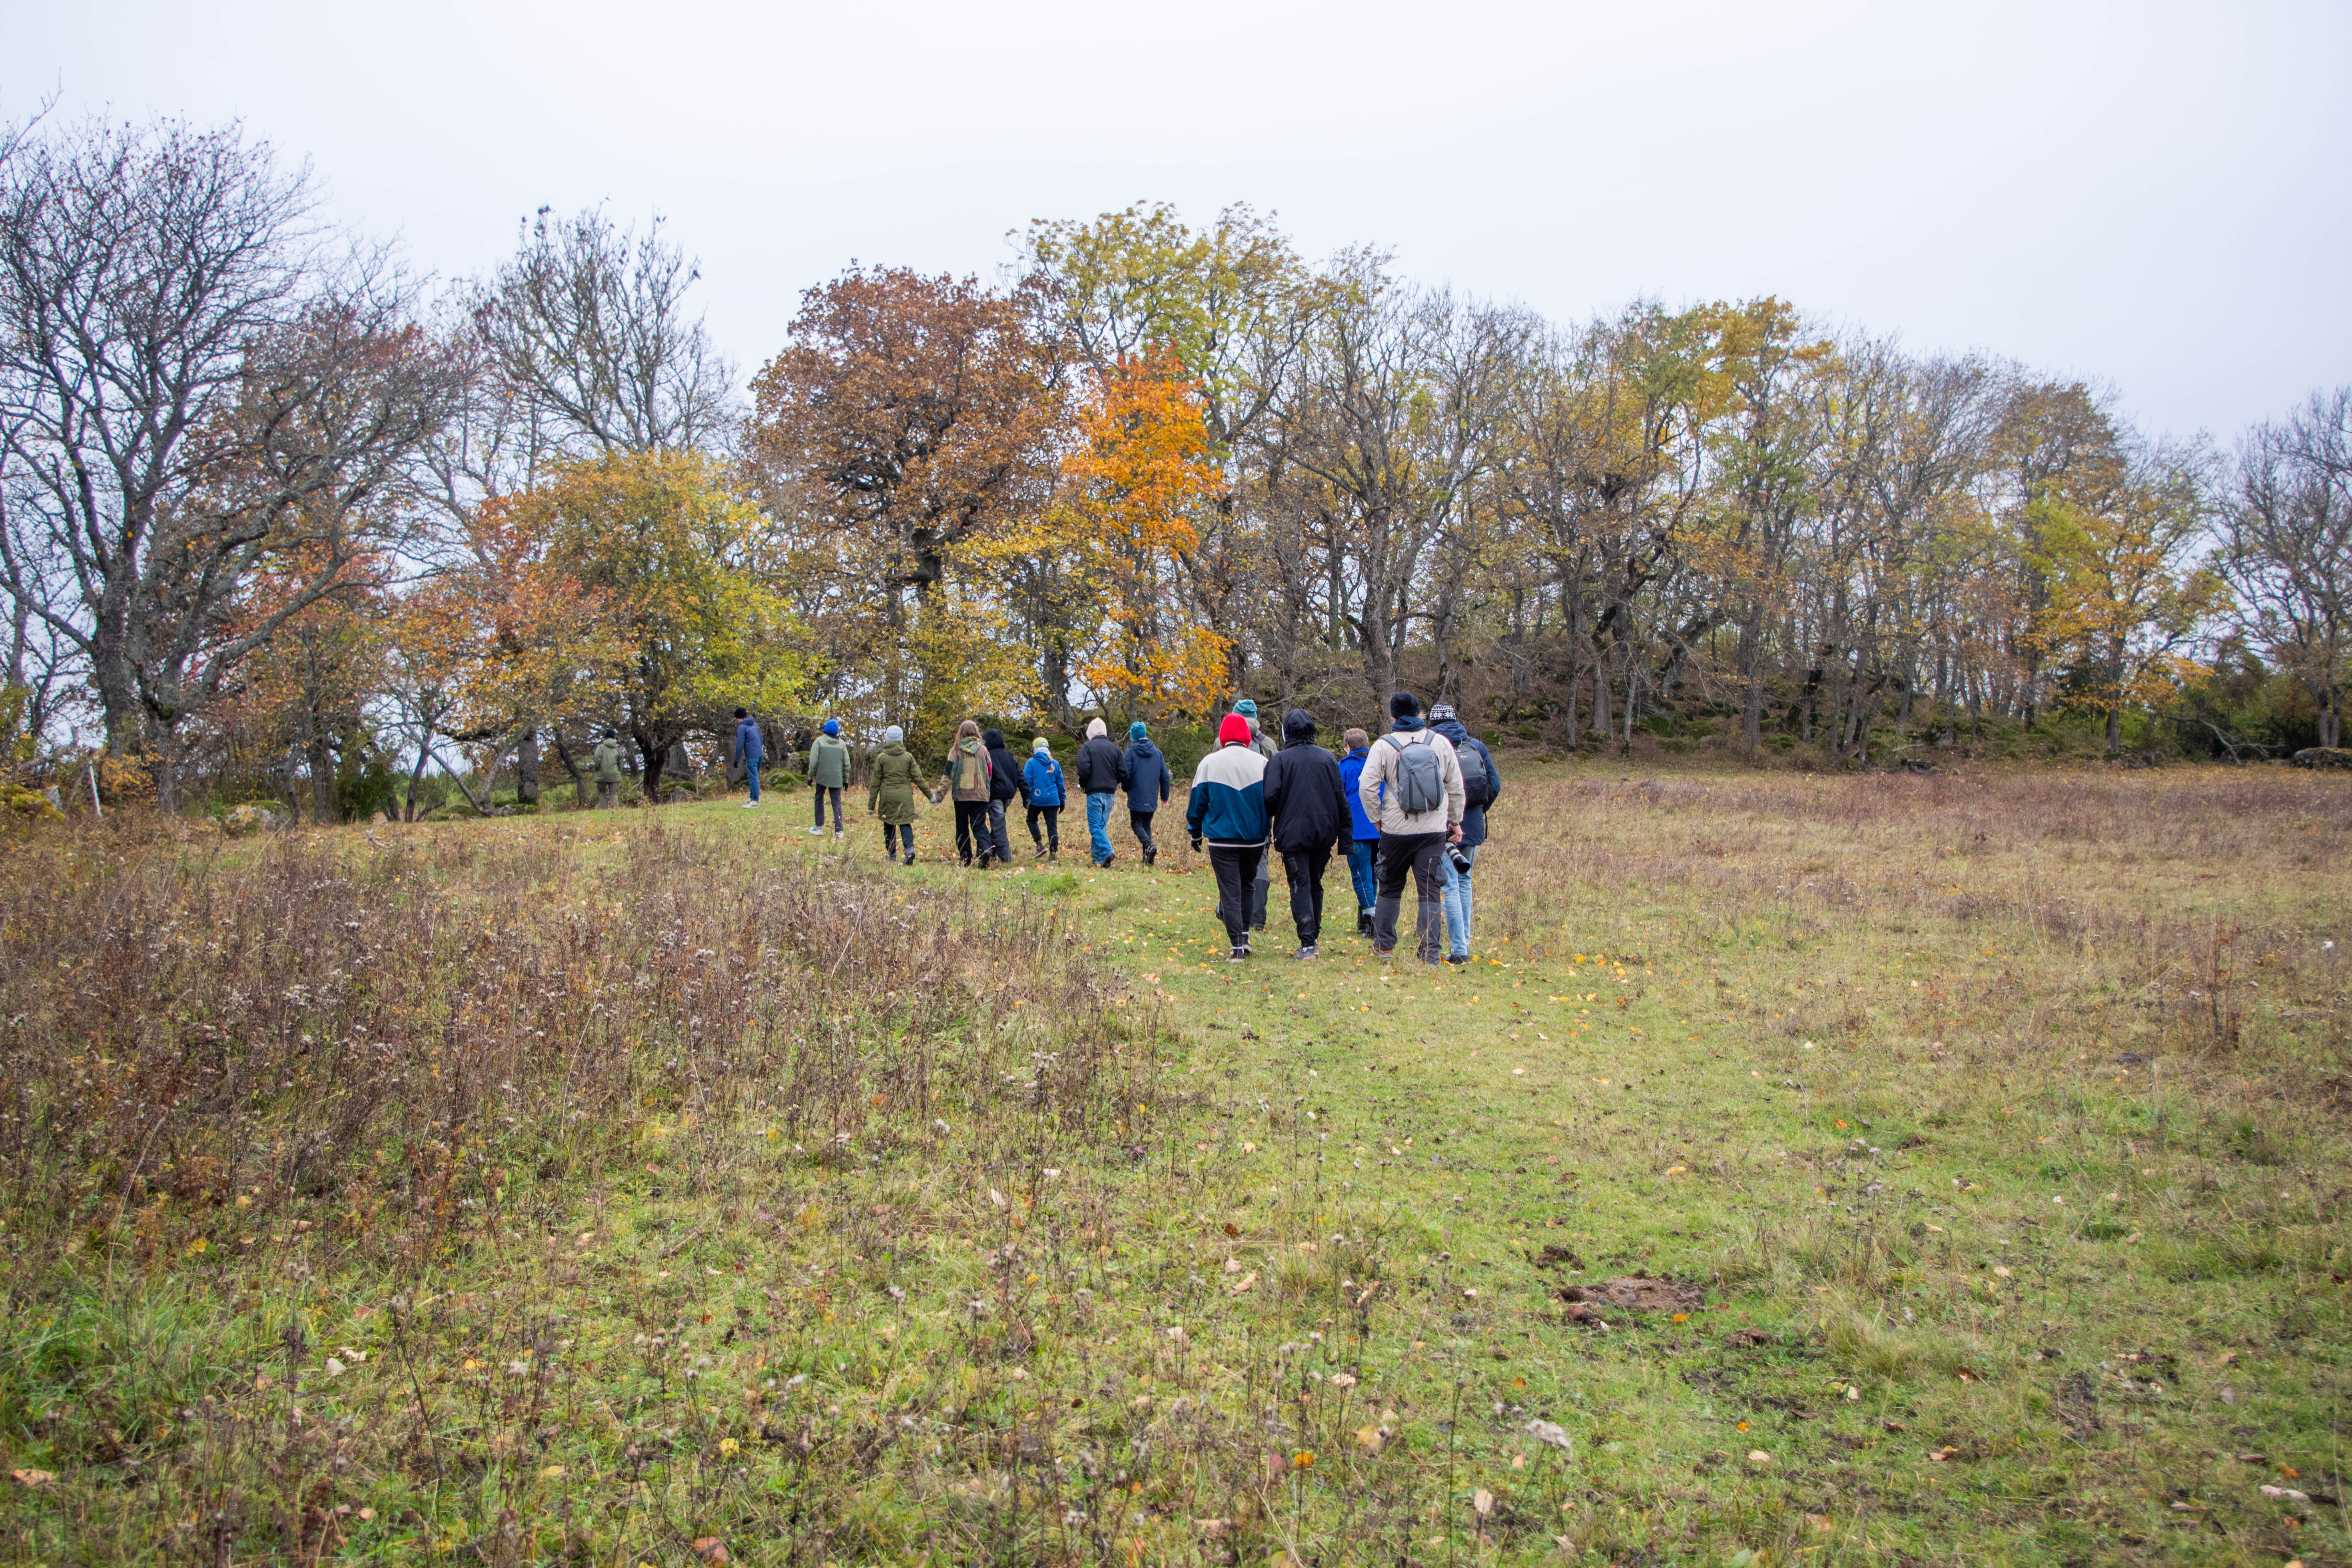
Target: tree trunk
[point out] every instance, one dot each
(321, 757)
(527, 767)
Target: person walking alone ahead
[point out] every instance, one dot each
(829, 773)
(897, 778)
(749, 753)
(1263, 746)
(1042, 789)
(968, 780)
(1149, 785)
(1228, 808)
(1003, 788)
(1100, 765)
(608, 771)
(1482, 786)
(1412, 786)
(1364, 850)
(1307, 808)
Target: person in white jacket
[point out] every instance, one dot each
(1411, 786)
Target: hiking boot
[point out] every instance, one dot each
(1150, 855)
(1040, 852)
(1363, 922)
(1386, 955)
(910, 858)
(1307, 951)
(815, 831)
(1457, 958)
(1052, 857)
(1237, 955)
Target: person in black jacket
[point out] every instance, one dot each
(1309, 810)
(1101, 770)
(1003, 785)
(1149, 785)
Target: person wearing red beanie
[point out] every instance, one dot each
(1227, 809)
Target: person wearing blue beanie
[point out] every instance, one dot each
(828, 772)
(832, 728)
(1149, 784)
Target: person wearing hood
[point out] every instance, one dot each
(1042, 788)
(897, 779)
(1412, 786)
(1003, 788)
(1482, 786)
(968, 772)
(1263, 744)
(1149, 785)
(1307, 808)
(828, 766)
(1364, 848)
(608, 771)
(1099, 776)
(749, 753)
(1227, 808)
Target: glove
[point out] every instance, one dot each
(1196, 844)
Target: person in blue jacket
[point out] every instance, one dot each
(749, 751)
(1149, 785)
(1482, 786)
(1364, 850)
(1043, 791)
(1228, 808)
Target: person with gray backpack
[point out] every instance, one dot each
(1412, 786)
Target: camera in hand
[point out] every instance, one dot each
(1454, 853)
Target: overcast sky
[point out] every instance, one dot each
(2151, 193)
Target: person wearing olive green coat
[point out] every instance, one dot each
(897, 779)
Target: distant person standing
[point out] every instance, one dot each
(1003, 788)
(1263, 745)
(1100, 765)
(1149, 785)
(968, 778)
(1228, 809)
(749, 753)
(896, 778)
(1482, 786)
(1412, 783)
(1309, 811)
(1364, 850)
(829, 773)
(608, 771)
(1042, 789)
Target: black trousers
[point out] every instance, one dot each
(971, 827)
(822, 791)
(1304, 868)
(1420, 855)
(1139, 823)
(1052, 837)
(1236, 870)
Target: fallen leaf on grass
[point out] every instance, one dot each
(1483, 1501)
(2285, 1494)
(712, 1550)
(32, 1477)
(1758, 1457)
(1551, 1433)
(1371, 1438)
(1244, 1283)
(1214, 1529)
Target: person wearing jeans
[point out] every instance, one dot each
(828, 766)
(1364, 848)
(1413, 832)
(749, 751)
(1227, 808)
(1041, 787)
(1100, 772)
(1481, 791)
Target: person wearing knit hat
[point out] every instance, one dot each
(1482, 785)
(1263, 745)
(1149, 785)
(1227, 808)
(1043, 790)
(1099, 762)
(829, 773)
(1410, 785)
(894, 779)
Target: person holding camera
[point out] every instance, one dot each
(1412, 786)
(1482, 786)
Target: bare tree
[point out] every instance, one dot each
(197, 382)
(587, 326)
(2287, 549)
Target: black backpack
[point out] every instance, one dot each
(1477, 782)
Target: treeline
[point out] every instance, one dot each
(277, 513)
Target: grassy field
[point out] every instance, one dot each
(1809, 1170)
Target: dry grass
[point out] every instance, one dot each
(692, 1185)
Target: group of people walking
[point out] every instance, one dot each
(1408, 806)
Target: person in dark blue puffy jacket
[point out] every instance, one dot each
(1043, 790)
(1149, 785)
(749, 751)
(1477, 795)
(1364, 850)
